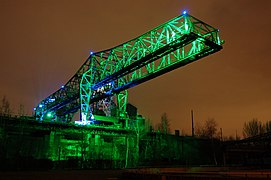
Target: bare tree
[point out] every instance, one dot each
(253, 128)
(268, 126)
(199, 129)
(208, 129)
(164, 125)
(148, 125)
(21, 111)
(5, 109)
(140, 130)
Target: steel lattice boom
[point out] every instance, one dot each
(102, 81)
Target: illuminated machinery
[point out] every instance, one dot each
(99, 87)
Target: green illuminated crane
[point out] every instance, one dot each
(102, 82)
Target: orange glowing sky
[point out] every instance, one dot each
(44, 42)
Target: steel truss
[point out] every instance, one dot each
(103, 80)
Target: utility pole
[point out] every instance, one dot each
(221, 135)
(192, 117)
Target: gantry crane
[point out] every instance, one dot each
(101, 83)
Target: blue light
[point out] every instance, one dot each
(62, 87)
(90, 52)
(184, 12)
(34, 109)
(40, 106)
(52, 99)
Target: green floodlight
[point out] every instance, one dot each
(49, 115)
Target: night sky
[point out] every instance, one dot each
(44, 42)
